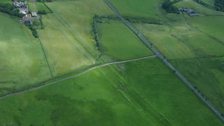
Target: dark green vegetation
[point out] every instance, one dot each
(219, 5)
(169, 7)
(9, 9)
(97, 72)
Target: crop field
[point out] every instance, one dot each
(93, 64)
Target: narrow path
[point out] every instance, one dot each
(149, 45)
(51, 82)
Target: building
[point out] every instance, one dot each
(34, 14)
(23, 11)
(27, 19)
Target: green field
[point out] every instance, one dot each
(65, 77)
(195, 46)
(38, 6)
(207, 74)
(119, 42)
(22, 62)
(111, 96)
(141, 8)
(67, 34)
(209, 2)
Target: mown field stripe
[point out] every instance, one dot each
(165, 61)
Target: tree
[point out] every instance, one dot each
(219, 5)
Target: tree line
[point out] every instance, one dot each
(10, 9)
(168, 5)
(219, 5)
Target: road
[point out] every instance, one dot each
(51, 82)
(149, 44)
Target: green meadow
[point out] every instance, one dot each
(115, 95)
(22, 61)
(67, 34)
(140, 8)
(195, 46)
(63, 78)
(118, 42)
(38, 6)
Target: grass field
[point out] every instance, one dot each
(119, 42)
(182, 40)
(38, 6)
(161, 36)
(207, 75)
(67, 34)
(141, 92)
(195, 46)
(213, 26)
(141, 8)
(209, 2)
(22, 62)
(111, 96)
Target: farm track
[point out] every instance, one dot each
(149, 45)
(59, 79)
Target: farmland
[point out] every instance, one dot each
(110, 97)
(22, 60)
(118, 42)
(90, 66)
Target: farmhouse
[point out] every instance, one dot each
(19, 4)
(23, 11)
(27, 19)
(22, 7)
(34, 14)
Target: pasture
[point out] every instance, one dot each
(195, 46)
(67, 34)
(114, 95)
(108, 86)
(118, 42)
(22, 62)
(140, 8)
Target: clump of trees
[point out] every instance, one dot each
(9, 9)
(219, 5)
(33, 30)
(168, 5)
(42, 12)
(33, 27)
